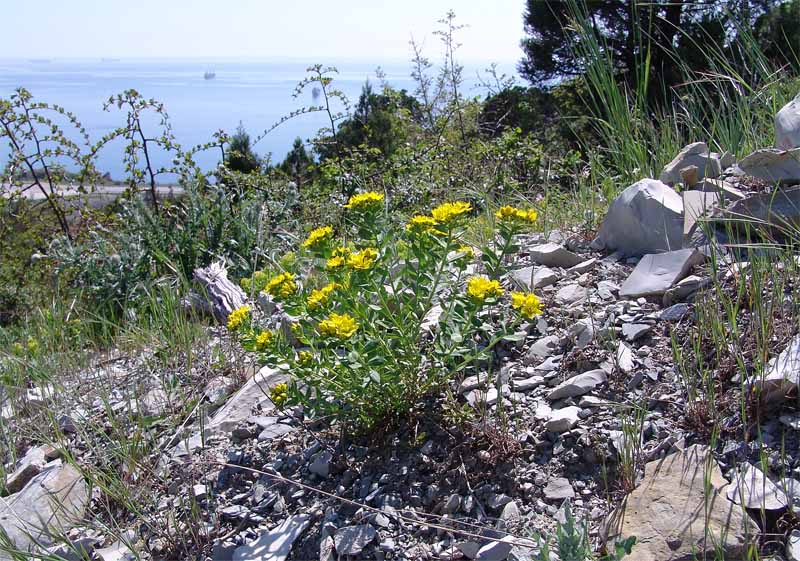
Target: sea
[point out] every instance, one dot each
(255, 93)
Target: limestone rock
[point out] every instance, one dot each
(656, 273)
(562, 420)
(752, 489)
(530, 278)
(793, 546)
(674, 517)
(276, 544)
(787, 125)
(351, 540)
(647, 217)
(571, 294)
(50, 504)
(694, 155)
(773, 165)
(781, 376)
(255, 392)
(578, 385)
(559, 489)
(553, 255)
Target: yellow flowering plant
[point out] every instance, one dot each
(356, 346)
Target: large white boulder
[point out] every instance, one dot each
(787, 125)
(647, 217)
(697, 155)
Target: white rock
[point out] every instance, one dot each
(255, 392)
(495, 551)
(578, 385)
(562, 420)
(647, 217)
(553, 255)
(752, 489)
(276, 544)
(584, 267)
(773, 165)
(696, 154)
(351, 540)
(559, 489)
(582, 332)
(657, 273)
(781, 376)
(793, 546)
(624, 358)
(571, 294)
(530, 278)
(787, 125)
(321, 464)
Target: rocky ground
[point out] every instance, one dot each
(588, 412)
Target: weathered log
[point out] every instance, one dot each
(221, 293)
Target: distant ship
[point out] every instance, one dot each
(209, 75)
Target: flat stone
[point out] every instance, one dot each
(787, 125)
(685, 289)
(351, 540)
(29, 467)
(562, 420)
(793, 546)
(781, 376)
(578, 385)
(276, 544)
(752, 489)
(51, 503)
(511, 514)
(559, 489)
(696, 204)
(543, 348)
(529, 278)
(528, 384)
(773, 165)
(774, 211)
(117, 551)
(791, 421)
(571, 294)
(656, 273)
(634, 331)
(254, 393)
(680, 510)
(623, 358)
(553, 255)
(697, 155)
(647, 217)
(584, 267)
(582, 332)
(674, 313)
(496, 550)
(321, 464)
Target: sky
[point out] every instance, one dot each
(343, 29)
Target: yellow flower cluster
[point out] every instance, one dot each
(279, 394)
(318, 236)
(263, 340)
(365, 201)
(466, 251)
(237, 317)
(480, 288)
(423, 225)
(282, 285)
(319, 298)
(304, 358)
(341, 326)
(447, 212)
(510, 213)
(363, 260)
(339, 258)
(527, 303)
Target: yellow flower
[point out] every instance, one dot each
(363, 259)
(447, 212)
(510, 213)
(282, 285)
(423, 224)
(341, 326)
(245, 283)
(339, 258)
(365, 201)
(17, 349)
(263, 340)
(318, 236)
(304, 358)
(480, 288)
(467, 251)
(279, 394)
(237, 317)
(33, 346)
(320, 297)
(527, 303)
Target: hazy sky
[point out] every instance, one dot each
(333, 29)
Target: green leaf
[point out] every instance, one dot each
(515, 337)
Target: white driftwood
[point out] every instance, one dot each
(222, 294)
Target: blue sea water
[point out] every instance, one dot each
(256, 93)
